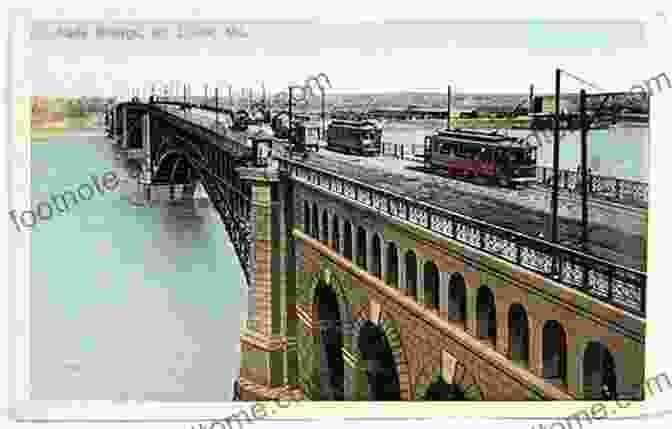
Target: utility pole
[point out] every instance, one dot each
(216, 105)
(584, 169)
(291, 143)
(556, 160)
(448, 113)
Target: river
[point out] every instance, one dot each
(128, 302)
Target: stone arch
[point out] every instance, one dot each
(460, 378)
(330, 339)
(457, 298)
(554, 354)
(378, 353)
(487, 315)
(411, 274)
(336, 234)
(361, 248)
(431, 285)
(316, 222)
(519, 334)
(598, 372)
(325, 227)
(392, 265)
(306, 217)
(440, 390)
(308, 342)
(347, 239)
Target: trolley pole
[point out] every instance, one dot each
(556, 161)
(584, 169)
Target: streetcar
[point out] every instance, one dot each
(501, 159)
(362, 137)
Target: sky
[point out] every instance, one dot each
(471, 56)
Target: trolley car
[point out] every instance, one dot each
(360, 137)
(501, 159)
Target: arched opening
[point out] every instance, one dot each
(439, 390)
(518, 335)
(599, 373)
(376, 263)
(335, 234)
(325, 227)
(431, 285)
(361, 247)
(381, 367)
(411, 274)
(331, 343)
(392, 277)
(306, 217)
(316, 222)
(457, 298)
(347, 240)
(487, 315)
(555, 352)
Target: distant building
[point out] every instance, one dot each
(41, 117)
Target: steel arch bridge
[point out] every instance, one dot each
(177, 151)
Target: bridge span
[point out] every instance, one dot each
(362, 291)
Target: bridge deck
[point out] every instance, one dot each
(615, 233)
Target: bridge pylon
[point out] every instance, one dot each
(267, 368)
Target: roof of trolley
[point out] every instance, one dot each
(484, 138)
(353, 124)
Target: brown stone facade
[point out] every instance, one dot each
(425, 332)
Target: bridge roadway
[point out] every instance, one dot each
(616, 232)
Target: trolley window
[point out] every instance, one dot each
(471, 151)
(450, 149)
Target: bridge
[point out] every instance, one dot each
(360, 292)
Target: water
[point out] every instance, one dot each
(127, 302)
(616, 152)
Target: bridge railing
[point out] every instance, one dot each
(608, 282)
(622, 190)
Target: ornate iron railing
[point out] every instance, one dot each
(607, 282)
(623, 190)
